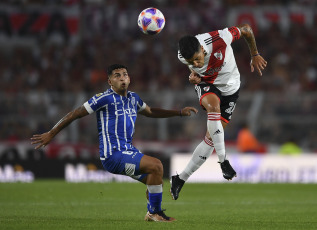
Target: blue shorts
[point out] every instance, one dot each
(125, 163)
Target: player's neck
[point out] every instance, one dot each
(122, 93)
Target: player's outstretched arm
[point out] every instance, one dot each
(164, 113)
(45, 138)
(257, 61)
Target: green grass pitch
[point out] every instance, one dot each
(54, 204)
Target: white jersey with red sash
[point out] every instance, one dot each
(220, 68)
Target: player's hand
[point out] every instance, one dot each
(187, 111)
(258, 63)
(41, 139)
(194, 78)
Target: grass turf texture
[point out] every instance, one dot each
(60, 205)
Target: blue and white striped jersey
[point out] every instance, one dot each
(116, 116)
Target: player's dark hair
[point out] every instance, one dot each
(113, 67)
(188, 46)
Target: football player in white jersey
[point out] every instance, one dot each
(215, 74)
(116, 110)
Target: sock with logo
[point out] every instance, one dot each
(216, 132)
(200, 155)
(155, 198)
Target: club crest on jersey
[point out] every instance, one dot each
(206, 89)
(218, 55)
(133, 100)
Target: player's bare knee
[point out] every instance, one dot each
(212, 108)
(157, 167)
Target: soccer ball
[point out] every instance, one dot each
(151, 21)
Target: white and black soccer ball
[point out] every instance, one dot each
(151, 21)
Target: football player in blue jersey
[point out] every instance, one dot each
(116, 111)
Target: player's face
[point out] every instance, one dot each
(119, 81)
(198, 59)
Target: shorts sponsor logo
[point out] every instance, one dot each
(231, 108)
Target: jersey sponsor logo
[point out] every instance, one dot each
(218, 55)
(129, 112)
(98, 95)
(212, 71)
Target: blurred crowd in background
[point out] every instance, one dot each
(44, 75)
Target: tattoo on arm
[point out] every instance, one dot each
(69, 118)
(247, 33)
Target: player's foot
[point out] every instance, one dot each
(176, 186)
(227, 171)
(159, 216)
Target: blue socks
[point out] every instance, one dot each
(155, 198)
(155, 201)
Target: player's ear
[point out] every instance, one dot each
(109, 82)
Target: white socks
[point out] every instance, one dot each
(155, 188)
(215, 130)
(200, 155)
(206, 147)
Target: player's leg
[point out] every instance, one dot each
(215, 126)
(146, 169)
(154, 180)
(227, 170)
(209, 98)
(211, 103)
(200, 155)
(208, 138)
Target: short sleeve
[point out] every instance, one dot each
(140, 105)
(235, 32)
(96, 102)
(230, 35)
(88, 108)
